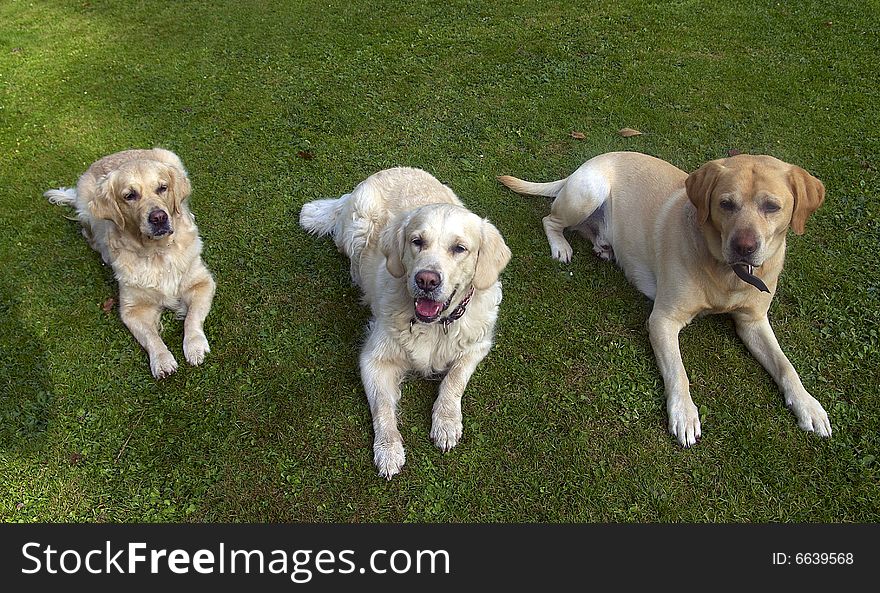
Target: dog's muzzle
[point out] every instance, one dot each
(159, 223)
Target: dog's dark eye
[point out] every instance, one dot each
(417, 241)
(771, 207)
(728, 205)
(458, 249)
(162, 188)
(131, 196)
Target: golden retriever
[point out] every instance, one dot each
(428, 268)
(709, 242)
(133, 209)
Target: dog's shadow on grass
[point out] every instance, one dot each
(26, 392)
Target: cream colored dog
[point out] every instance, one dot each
(428, 269)
(132, 206)
(709, 242)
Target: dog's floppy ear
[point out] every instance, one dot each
(103, 204)
(391, 245)
(179, 188)
(492, 258)
(699, 186)
(809, 193)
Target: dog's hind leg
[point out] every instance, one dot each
(595, 229)
(560, 248)
(585, 192)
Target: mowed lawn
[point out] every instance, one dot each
(272, 104)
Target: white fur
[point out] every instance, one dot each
(372, 226)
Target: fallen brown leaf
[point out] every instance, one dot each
(107, 306)
(75, 458)
(306, 154)
(578, 135)
(733, 152)
(627, 132)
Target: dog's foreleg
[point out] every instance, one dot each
(197, 298)
(142, 321)
(446, 426)
(684, 418)
(759, 338)
(381, 377)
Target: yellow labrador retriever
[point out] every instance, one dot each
(428, 269)
(709, 242)
(133, 209)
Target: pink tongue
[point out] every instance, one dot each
(428, 308)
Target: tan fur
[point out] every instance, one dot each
(377, 226)
(157, 266)
(676, 236)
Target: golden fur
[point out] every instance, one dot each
(677, 237)
(400, 228)
(133, 209)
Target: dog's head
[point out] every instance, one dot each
(746, 204)
(442, 250)
(142, 197)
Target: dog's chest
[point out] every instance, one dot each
(431, 350)
(162, 272)
(734, 300)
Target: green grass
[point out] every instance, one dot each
(564, 420)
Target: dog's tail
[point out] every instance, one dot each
(551, 190)
(319, 216)
(63, 196)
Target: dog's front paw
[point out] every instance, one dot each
(195, 348)
(162, 364)
(445, 431)
(811, 415)
(684, 423)
(389, 457)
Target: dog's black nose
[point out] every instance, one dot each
(158, 218)
(745, 244)
(427, 280)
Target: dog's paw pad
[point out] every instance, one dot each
(163, 365)
(194, 349)
(446, 432)
(389, 458)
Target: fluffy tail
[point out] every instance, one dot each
(319, 217)
(535, 189)
(63, 196)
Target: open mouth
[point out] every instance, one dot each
(428, 310)
(156, 233)
(744, 271)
